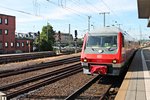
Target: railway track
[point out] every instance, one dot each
(106, 90)
(108, 93)
(78, 94)
(7, 73)
(82, 89)
(46, 79)
(24, 56)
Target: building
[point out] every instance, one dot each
(65, 38)
(26, 38)
(7, 33)
(9, 43)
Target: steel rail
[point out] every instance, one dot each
(38, 77)
(38, 67)
(31, 66)
(104, 95)
(83, 88)
(43, 83)
(26, 56)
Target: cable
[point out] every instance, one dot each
(77, 4)
(20, 11)
(111, 10)
(92, 5)
(67, 8)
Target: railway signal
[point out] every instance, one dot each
(75, 40)
(59, 36)
(39, 40)
(76, 33)
(59, 39)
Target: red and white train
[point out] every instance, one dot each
(105, 51)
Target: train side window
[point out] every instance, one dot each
(123, 41)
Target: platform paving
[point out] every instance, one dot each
(136, 84)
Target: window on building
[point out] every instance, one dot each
(6, 44)
(0, 20)
(26, 35)
(0, 31)
(6, 21)
(18, 44)
(12, 44)
(22, 44)
(6, 31)
(1, 45)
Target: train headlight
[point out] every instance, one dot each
(84, 60)
(114, 61)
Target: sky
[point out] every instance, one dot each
(32, 15)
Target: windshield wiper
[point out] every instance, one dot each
(93, 49)
(112, 48)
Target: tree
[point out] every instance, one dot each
(46, 38)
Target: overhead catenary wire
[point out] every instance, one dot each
(85, 7)
(67, 8)
(96, 8)
(111, 10)
(90, 5)
(20, 11)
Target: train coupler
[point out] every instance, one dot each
(100, 69)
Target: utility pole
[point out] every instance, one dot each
(104, 13)
(89, 17)
(47, 30)
(59, 39)
(69, 39)
(140, 35)
(69, 28)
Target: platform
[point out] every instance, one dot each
(136, 84)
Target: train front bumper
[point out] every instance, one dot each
(112, 69)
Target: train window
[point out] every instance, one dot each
(109, 41)
(123, 41)
(102, 41)
(93, 41)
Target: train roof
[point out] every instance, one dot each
(106, 30)
(110, 31)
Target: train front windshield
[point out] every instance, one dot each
(101, 44)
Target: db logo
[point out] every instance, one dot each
(99, 56)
